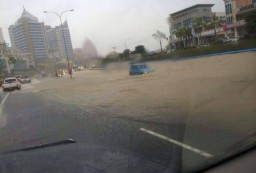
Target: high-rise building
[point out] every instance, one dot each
(52, 43)
(28, 35)
(59, 41)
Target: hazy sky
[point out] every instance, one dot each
(107, 23)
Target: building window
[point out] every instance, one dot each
(229, 20)
(228, 8)
(206, 10)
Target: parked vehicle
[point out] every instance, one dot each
(230, 39)
(25, 79)
(18, 77)
(11, 84)
(139, 68)
(80, 68)
(75, 68)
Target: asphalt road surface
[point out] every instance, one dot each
(172, 120)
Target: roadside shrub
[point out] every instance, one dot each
(242, 44)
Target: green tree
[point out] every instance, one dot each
(160, 36)
(198, 27)
(183, 34)
(126, 53)
(251, 22)
(180, 34)
(215, 22)
(140, 49)
(187, 34)
(11, 60)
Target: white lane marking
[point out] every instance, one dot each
(195, 150)
(2, 117)
(4, 99)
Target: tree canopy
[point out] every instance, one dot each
(159, 36)
(140, 49)
(11, 60)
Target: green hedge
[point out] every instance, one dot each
(217, 47)
(243, 44)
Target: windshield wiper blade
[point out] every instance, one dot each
(51, 144)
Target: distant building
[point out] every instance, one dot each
(87, 54)
(221, 16)
(236, 10)
(28, 35)
(3, 45)
(59, 42)
(1, 36)
(184, 18)
(53, 43)
(21, 65)
(4, 66)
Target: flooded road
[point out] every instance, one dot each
(182, 114)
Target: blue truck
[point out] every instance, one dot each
(139, 68)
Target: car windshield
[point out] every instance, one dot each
(139, 85)
(142, 66)
(9, 80)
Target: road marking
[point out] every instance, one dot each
(2, 117)
(4, 99)
(195, 150)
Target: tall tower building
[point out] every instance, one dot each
(59, 41)
(28, 35)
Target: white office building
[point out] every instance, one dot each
(59, 41)
(27, 35)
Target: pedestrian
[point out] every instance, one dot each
(70, 71)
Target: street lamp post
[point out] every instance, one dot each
(125, 42)
(60, 15)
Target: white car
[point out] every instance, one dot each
(80, 68)
(230, 39)
(25, 79)
(11, 84)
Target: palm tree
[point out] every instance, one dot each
(216, 22)
(183, 34)
(159, 36)
(180, 34)
(187, 34)
(177, 33)
(198, 25)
